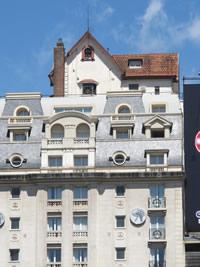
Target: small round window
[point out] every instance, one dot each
(16, 161)
(119, 159)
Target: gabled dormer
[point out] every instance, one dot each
(157, 127)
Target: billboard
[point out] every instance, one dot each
(192, 156)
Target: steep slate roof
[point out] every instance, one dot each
(153, 65)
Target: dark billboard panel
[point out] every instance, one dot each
(192, 156)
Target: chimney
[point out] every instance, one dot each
(59, 67)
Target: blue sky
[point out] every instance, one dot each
(30, 29)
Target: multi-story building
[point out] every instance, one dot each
(93, 176)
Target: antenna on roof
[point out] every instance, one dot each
(88, 19)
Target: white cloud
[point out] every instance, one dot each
(106, 12)
(156, 31)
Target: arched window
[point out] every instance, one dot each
(57, 131)
(23, 112)
(123, 109)
(82, 131)
(88, 53)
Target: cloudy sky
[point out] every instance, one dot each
(30, 29)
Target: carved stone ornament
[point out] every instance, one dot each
(120, 204)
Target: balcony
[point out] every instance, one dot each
(80, 264)
(68, 142)
(157, 264)
(54, 234)
(80, 236)
(54, 204)
(80, 204)
(157, 234)
(19, 120)
(54, 264)
(156, 202)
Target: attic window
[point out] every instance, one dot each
(87, 53)
(135, 63)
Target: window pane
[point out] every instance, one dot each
(81, 161)
(14, 223)
(122, 134)
(157, 160)
(54, 193)
(120, 190)
(120, 221)
(157, 191)
(14, 254)
(120, 253)
(19, 137)
(55, 161)
(133, 86)
(80, 192)
(15, 192)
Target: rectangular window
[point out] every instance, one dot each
(133, 86)
(157, 133)
(122, 134)
(19, 137)
(54, 255)
(80, 253)
(14, 223)
(120, 221)
(157, 199)
(120, 253)
(86, 110)
(157, 257)
(54, 193)
(15, 192)
(14, 254)
(157, 227)
(80, 161)
(135, 63)
(55, 161)
(156, 159)
(157, 90)
(158, 108)
(89, 89)
(120, 190)
(80, 221)
(80, 193)
(54, 222)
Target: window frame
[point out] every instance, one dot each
(82, 159)
(84, 57)
(12, 256)
(117, 250)
(55, 191)
(117, 221)
(81, 193)
(135, 63)
(92, 87)
(158, 106)
(12, 221)
(11, 192)
(81, 216)
(134, 85)
(117, 193)
(56, 158)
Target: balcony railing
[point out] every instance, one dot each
(127, 117)
(81, 141)
(157, 263)
(80, 264)
(54, 264)
(54, 234)
(81, 203)
(157, 233)
(55, 141)
(19, 120)
(156, 202)
(80, 233)
(54, 203)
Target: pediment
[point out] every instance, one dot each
(157, 122)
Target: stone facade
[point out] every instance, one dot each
(94, 175)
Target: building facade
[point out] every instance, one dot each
(93, 176)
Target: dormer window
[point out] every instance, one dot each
(88, 53)
(135, 63)
(89, 89)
